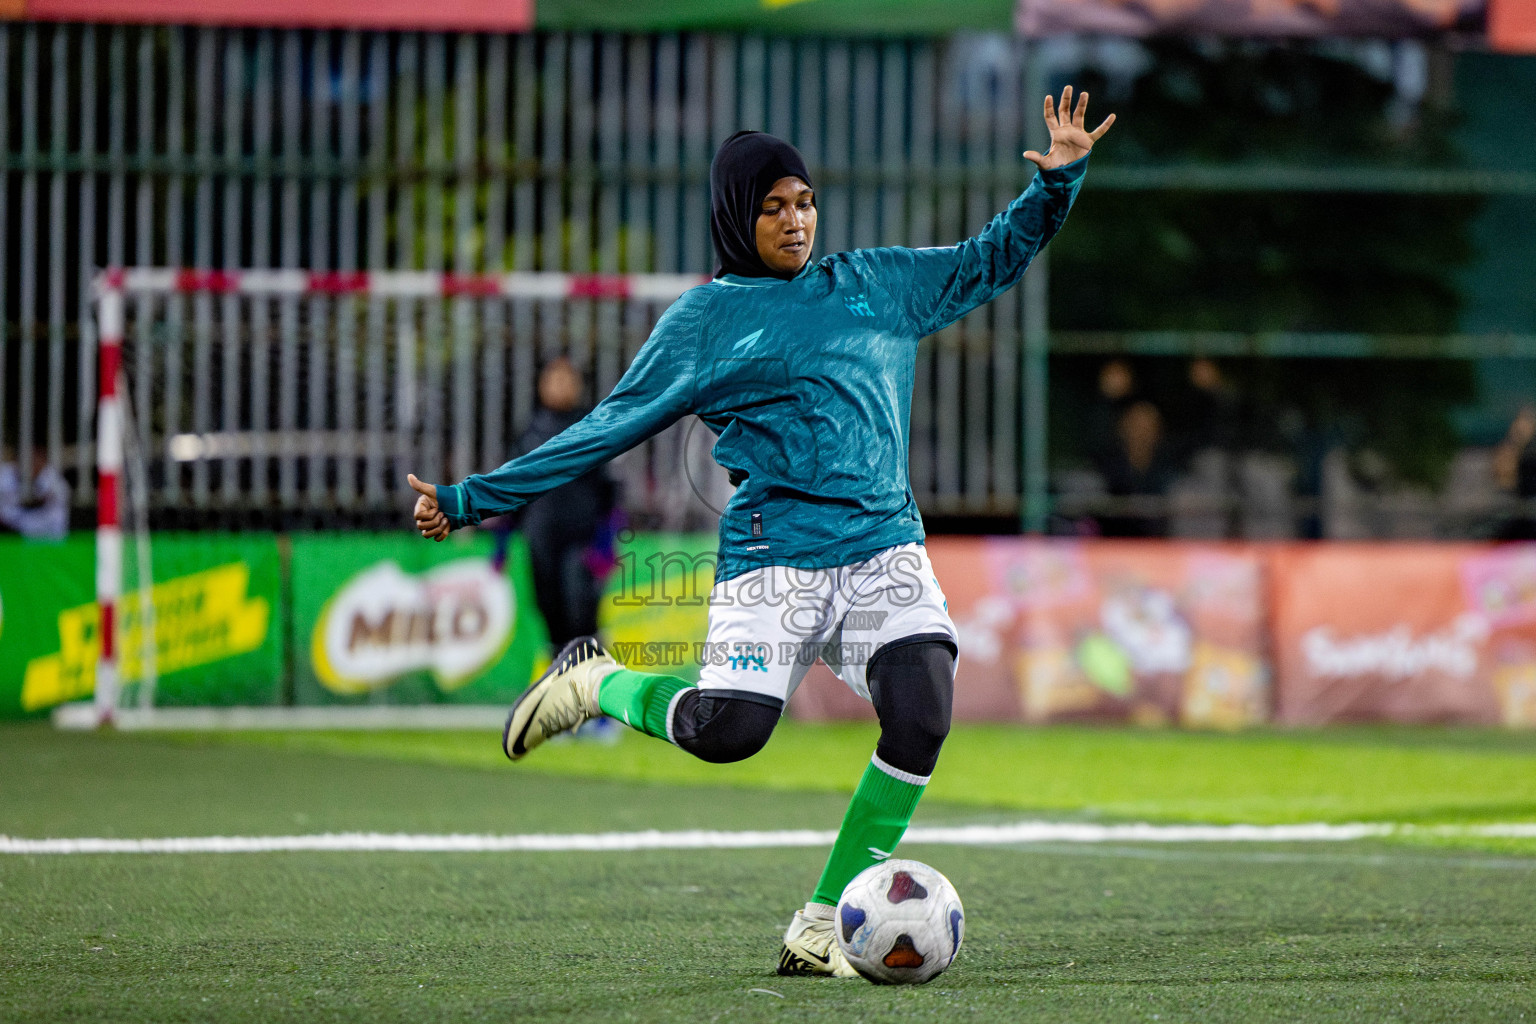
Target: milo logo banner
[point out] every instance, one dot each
(389, 618)
(214, 638)
(1406, 633)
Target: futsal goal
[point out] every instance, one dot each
(276, 399)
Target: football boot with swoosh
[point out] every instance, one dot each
(810, 945)
(560, 699)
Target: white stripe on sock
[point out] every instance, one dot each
(898, 774)
(671, 707)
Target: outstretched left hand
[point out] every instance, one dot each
(1070, 139)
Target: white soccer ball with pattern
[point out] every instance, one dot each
(900, 923)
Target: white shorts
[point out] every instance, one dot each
(767, 627)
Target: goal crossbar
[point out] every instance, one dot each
(396, 284)
(113, 286)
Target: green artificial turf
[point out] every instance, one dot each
(1261, 777)
(1131, 932)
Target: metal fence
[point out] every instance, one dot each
(471, 154)
(342, 151)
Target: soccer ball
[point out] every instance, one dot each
(900, 923)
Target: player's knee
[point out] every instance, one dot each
(722, 729)
(912, 745)
(912, 685)
(927, 735)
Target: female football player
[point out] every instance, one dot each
(804, 372)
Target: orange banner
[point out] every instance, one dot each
(1065, 630)
(1282, 18)
(1405, 633)
(13, 10)
(1228, 635)
(451, 15)
(1148, 633)
(1512, 25)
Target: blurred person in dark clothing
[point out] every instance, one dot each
(1141, 464)
(1116, 392)
(1211, 435)
(569, 529)
(1213, 408)
(1514, 468)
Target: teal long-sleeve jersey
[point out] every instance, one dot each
(807, 384)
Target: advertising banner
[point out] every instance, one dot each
(386, 618)
(38, 582)
(1065, 630)
(216, 641)
(1508, 23)
(1198, 635)
(1287, 18)
(655, 610)
(1147, 633)
(445, 16)
(1405, 633)
(1512, 25)
(824, 17)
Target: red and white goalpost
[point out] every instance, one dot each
(109, 468)
(113, 287)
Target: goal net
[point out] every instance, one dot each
(282, 400)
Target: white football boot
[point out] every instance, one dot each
(560, 699)
(810, 945)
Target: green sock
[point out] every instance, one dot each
(876, 820)
(640, 700)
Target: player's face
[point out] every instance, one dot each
(786, 226)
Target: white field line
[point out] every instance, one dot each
(967, 835)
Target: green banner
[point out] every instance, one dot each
(216, 636)
(808, 17)
(655, 609)
(391, 619)
(359, 618)
(47, 653)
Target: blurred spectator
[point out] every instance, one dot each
(1213, 408)
(1514, 467)
(1310, 448)
(570, 529)
(1117, 389)
(1142, 464)
(41, 511)
(1209, 439)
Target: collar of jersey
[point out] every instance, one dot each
(763, 282)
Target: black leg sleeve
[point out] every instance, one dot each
(722, 729)
(912, 684)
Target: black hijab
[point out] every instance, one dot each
(742, 173)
